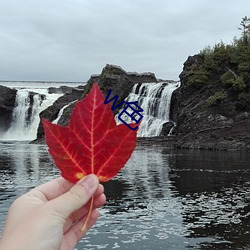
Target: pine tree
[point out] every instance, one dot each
(245, 28)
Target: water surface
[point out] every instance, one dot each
(161, 200)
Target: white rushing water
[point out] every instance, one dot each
(155, 100)
(25, 117)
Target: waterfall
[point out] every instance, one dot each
(25, 117)
(155, 100)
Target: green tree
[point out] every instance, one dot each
(245, 28)
(225, 69)
(216, 98)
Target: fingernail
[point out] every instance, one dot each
(89, 182)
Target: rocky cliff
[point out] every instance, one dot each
(210, 114)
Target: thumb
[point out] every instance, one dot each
(76, 197)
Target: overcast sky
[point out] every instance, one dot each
(68, 40)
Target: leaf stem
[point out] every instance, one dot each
(84, 228)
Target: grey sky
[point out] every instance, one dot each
(68, 40)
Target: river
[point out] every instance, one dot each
(162, 199)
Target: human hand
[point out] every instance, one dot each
(50, 216)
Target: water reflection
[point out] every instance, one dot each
(26, 164)
(160, 200)
(214, 187)
(22, 167)
(142, 211)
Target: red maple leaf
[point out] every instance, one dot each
(92, 143)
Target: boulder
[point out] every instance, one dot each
(166, 128)
(7, 104)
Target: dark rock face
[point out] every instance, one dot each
(52, 112)
(31, 101)
(175, 99)
(7, 104)
(166, 128)
(222, 126)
